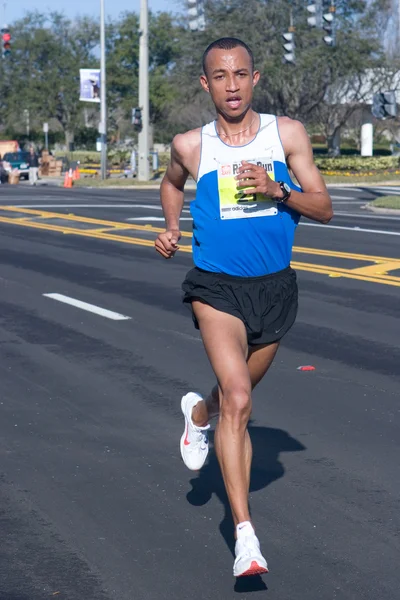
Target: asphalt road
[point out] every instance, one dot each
(95, 501)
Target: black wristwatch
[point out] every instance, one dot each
(286, 191)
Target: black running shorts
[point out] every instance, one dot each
(267, 305)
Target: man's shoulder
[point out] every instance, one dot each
(187, 142)
(290, 125)
(292, 133)
(287, 122)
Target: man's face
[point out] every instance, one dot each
(230, 80)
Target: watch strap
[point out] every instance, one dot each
(286, 194)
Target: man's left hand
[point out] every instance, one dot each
(258, 178)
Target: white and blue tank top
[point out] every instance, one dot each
(244, 236)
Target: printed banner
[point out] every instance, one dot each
(233, 203)
(90, 85)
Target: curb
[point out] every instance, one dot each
(365, 184)
(382, 211)
(129, 187)
(118, 187)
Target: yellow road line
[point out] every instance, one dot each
(349, 255)
(347, 273)
(373, 273)
(119, 225)
(379, 268)
(94, 233)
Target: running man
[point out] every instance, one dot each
(242, 290)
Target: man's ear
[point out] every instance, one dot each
(256, 78)
(204, 83)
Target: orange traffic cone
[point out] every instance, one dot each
(68, 179)
(77, 175)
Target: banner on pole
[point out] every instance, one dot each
(90, 85)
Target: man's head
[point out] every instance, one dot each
(229, 76)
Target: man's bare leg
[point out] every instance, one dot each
(225, 342)
(259, 360)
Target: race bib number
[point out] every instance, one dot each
(233, 203)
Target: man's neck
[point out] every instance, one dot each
(237, 132)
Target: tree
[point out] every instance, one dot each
(123, 66)
(301, 90)
(42, 75)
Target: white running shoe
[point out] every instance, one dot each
(194, 441)
(249, 560)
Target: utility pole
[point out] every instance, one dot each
(103, 105)
(27, 121)
(143, 163)
(46, 135)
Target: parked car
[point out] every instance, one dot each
(17, 160)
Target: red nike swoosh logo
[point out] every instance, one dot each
(186, 441)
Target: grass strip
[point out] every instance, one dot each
(386, 202)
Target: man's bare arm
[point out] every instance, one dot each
(315, 202)
(172, 186)
(172, 197)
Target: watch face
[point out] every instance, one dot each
(287, 188)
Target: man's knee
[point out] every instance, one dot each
(236, 404)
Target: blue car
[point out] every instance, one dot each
(17, 160)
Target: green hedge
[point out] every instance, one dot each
(84, 156)
(358, 163)
(354, 164)
(115, 157)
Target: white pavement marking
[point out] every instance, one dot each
(153, 207)
(342, 197)
(387, 187)
(364, 216)
(335, 202)
(388, 192)
(348, 188)
(155, 219)
(357, 229)
(109, 314)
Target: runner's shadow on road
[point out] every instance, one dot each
(266, 468)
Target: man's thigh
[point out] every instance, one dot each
(225, 341)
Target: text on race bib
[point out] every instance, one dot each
(233, 203)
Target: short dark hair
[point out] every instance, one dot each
(227, 43)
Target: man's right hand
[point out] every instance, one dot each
(167, 242)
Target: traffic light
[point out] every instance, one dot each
(384, 105)
(289, 55)
(196, 16)
(137, 119)
(312, 21)
(6, 39)
(329, 26)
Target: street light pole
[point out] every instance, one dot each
(143, 166)
(27, 121)
(103, 106)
